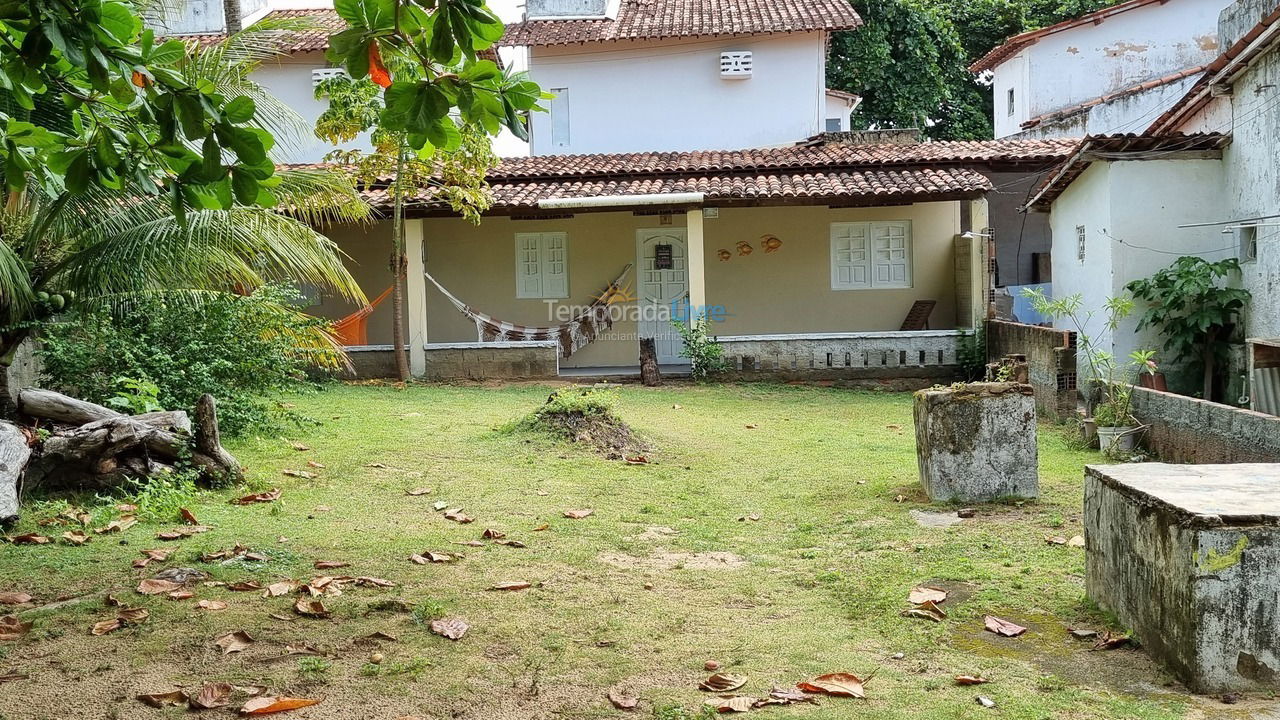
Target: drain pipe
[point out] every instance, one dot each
(600, 201)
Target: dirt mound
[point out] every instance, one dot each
(586, 415)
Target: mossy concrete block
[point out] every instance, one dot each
(977, 442)
(1188, 558)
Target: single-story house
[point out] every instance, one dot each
(809, 260)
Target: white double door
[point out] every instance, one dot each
(659, 290)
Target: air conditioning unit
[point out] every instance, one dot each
(319, 75)
(735, 65)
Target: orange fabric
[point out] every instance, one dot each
(354, 328)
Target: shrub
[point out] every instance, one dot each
(706, 356)
(243, 350)
(579, 401)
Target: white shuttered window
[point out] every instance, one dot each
(542, 265)
(870, 255)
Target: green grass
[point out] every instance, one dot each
(827, 569)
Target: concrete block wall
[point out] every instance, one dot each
(1189, 430)
(1051, 357)
(490, 361)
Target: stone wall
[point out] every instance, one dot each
(898, 360)
(1188, 430)
(493, 361)
(1051, 357)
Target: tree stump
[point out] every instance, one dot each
(649, 374)
(14, 453)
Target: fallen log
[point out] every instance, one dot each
(14, 454)
(50, 405)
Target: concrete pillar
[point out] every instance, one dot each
(416, 296)
(977, 443)
(697, 261)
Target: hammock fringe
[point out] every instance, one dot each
(571, 335)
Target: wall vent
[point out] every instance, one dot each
(735, 64)
(319, 75)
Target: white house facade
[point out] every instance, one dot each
(1109, 71)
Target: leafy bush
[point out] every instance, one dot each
(243, 350)
(972, 353)
(579, 401)
(706, 356)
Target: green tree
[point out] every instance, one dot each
(107, 246)
(1190, 305)
(910, 59)
(411, 65)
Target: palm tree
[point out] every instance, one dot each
(106, 246)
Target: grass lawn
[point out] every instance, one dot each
(630, 598)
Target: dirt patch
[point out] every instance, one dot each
(606, 433)
(657, 534)
(673, 561)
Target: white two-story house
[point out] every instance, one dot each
(1110, 71)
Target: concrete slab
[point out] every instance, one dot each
(1188, 557)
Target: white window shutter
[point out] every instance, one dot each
(850, 256)
(891, 254)
(528, 265)
(555, 265)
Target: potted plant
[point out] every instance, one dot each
(1110, 390)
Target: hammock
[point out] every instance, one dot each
(571, 335)
(354, 328)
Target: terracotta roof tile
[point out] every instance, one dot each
(654, 19)
(1014, 45)
(747, 188)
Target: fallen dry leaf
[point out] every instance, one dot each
(300, 447)
(1057, 540)
(791, 695)
(1076, 541)
(985, 701)
(119, 525)
(245, 586)
(312, 608)
(212, 695)
(182, 532)
(737, 703)
(623, 702)
(927, 610)
(511, 543)
(637, 460)
(1002, 627)
(133, 616)
(11, 628)
(418, 491)
(439, 505)
(330, 564)
(15, 598)
(211, 605)
(29, 539)
(1111, 641)
(723, 682)
(1082, 633)
(75, 537)
(458, 516)
(375, 465)
(279, 588)
(577, 514)
(543, 526)
(159, 555)
(262, 497)
(173, 698)
(921, 594)
(971, 680)
(431, 556)
(233, 641)
(452, 628)
(751, 426)
(188, 517)
(468, 543)
(839, 684)
(106, 626)
(299, 474)
(152, 586)
(274, 704)
(314, 464)
(365, 581)
(512, 585)
(181, 595)
(491, 534)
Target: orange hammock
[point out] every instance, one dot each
(354, 328)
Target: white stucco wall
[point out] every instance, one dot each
(1092, 60)
(837, 107)
(635, 96)
(1131, 211)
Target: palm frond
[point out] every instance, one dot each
(214, 250)
(320, 197)
(16, 297)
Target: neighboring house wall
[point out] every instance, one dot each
(649, 95)
(288, 78)
(1130, 113)
(1091, 60)
(787, 291)
(1019, 236)
(1131, 211)
(837, 109)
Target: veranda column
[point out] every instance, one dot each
(416, 296)
(697, 261)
